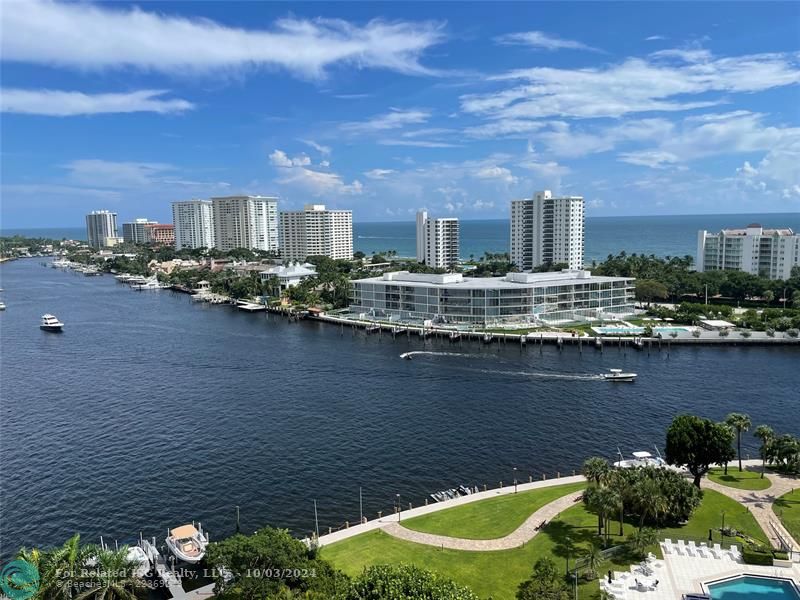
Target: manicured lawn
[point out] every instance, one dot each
(787, 507)
(499, 573)
(492, 518)
(744, 480)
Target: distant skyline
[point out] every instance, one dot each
(388, 108)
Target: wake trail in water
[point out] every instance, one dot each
(538, 374)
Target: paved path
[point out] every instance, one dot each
(515, 539)
(760, 502)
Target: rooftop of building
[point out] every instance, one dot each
(291, 270)
(509, 281)
(757, 229)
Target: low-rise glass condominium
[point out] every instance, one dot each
(194, 224)
(134, 232)
(437, 241)
(770, 253)
(101, 225)
(547, 230)
(245, 222)
(316, 231)
(565, 296)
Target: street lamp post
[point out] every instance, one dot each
(515, 480)
(399, 508)
(568, 544)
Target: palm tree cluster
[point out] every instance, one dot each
(647, 495)
(78, 571)
(781, 451)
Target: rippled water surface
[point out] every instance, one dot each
(150, 411)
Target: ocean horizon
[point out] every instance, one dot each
(661, 235)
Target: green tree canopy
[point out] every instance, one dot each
(697, 443)
(405, 582)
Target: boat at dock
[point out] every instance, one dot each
(187, 543)
(452, 493)
(640, 459)
(618, 375)
(51, 323)
(250, 306)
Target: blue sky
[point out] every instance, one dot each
(386, 108)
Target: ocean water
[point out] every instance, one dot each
(660, 235)
(151, 411)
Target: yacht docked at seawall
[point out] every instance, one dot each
(640, 459)
(187, 543)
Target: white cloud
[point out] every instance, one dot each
(56, 189)
(378, 173)
(504, 128)
(88, 36)
(295, 172)
(324, 163)
(279, 158)
(655, 38)
(494, 172)
(57, 103)
(323, 150)
(417, 143)
(661, 83)
(540, 39)
(655, 159)
(396, 118)
(563, 140)
(113, 174)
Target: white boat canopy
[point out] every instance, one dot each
(184, 532)
(642, 455)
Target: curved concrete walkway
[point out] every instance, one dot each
(515, 539)
(760, 502)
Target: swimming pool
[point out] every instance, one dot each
(749, 587)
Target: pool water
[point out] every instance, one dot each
(754, 588)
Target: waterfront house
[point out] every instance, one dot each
(527, 298)
(289, 275)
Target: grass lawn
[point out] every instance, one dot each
(787, 507)
(744, 480)
(498, 574)
(492, 518)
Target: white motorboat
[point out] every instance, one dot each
(51, 323)
(149, 284)
(2, 305)
(618, 375)
(139, 557)
(187, 543)
(640, 459)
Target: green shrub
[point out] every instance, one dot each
(757, 555)
(780, 555)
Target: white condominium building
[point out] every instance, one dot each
(516, 298)
(770, 253)
(194, 224)
(316, 231)
(547, 230)
(437, 241)
(134, 232)
(100, 226)
(245, 222)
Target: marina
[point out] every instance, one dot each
(257, 388)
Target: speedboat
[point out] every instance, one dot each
(51, 323)
(2, 305)
(406, 355)
(618, 375)
(640, 459)
(187, 543)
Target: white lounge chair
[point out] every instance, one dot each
(667, 548)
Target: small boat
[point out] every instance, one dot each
(187, 543)
(139, 557)
(406, 355)
(618, 375)
(2, 305)
(454, 336)
(51, 323)
(640, 459)
(487, 338)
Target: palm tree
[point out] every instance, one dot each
(641, 540)
(608, 501)
(766, 435)
(740, 422)
(650, 499)
(112, 578)
(60, 569)
(593, 558)
(618, 483)
(595, 469)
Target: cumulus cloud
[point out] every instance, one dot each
(323, 150)
(295, 172)
(542, 40)
(58, 103)
(89, 36)
(494, 172)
